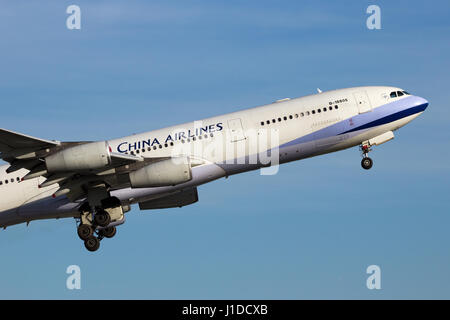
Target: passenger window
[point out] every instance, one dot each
(393, 94)
(262, 123)
(399, 93)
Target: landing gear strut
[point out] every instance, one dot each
(366, 162)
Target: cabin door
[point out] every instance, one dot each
(362, 102)
(236, 130)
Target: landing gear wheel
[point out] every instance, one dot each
(102, 218)
(92, 243)
(85, 231)
(108, 232)
(366, 163)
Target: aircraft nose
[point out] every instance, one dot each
(421, 103)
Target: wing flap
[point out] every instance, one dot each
(179, 199)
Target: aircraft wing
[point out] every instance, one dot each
(13, 144)
(24, 151)
(21, 150)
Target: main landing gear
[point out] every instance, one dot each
(98, 223)
(366, 162)
(92, 236)
(92, 243)
(102, 218)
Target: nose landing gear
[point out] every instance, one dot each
(366, 162)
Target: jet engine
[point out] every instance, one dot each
(163, 173)
(93, 155)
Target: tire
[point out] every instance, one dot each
(85, 231)
(366, 163)
(109, 232)
(92, 243)
(102, 218)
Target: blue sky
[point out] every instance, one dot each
(308, 232)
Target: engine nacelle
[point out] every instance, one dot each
(93, 155)
(163, 173)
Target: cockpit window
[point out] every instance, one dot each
(407, 93)
(399, 93)
(393, 94)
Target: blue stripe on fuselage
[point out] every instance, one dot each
(391, 118)
(379, 115)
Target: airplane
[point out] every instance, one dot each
(97, 182)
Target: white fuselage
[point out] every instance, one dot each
(226, 144)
